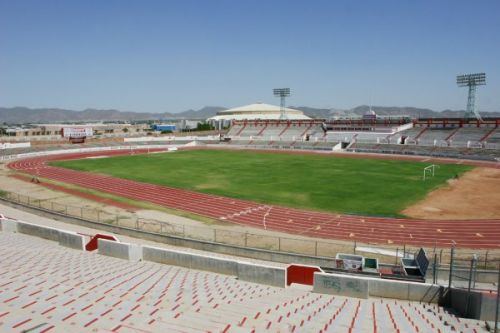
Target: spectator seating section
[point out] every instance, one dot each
(452, 152)
(469, 134)
(44, 287)
(274, 131)
(435, 136)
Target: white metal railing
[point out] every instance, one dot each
(172, 138)
(78, 150)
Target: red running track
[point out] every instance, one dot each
(440, 233)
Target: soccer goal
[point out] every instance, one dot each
(429, 171)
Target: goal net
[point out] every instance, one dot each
(429, 171)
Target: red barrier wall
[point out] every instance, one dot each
(92, 244)
(301, 274)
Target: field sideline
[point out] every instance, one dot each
(319, 182)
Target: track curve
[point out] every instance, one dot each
(366, 229)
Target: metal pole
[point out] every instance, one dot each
(397, 255)
(404, 251)
(316, 249)
(354, 249)
(466, 314)
(434, 269)
(498, 301)
(474, 271)
(452, 253)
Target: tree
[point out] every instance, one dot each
(204, 127)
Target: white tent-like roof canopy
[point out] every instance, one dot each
(257, 111)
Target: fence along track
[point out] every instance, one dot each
(486, 259)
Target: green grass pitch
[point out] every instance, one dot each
(319, 182)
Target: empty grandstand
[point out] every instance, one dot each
(452, 137)
(61, 286)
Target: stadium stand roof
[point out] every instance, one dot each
(257, 111)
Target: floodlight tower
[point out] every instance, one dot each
(472, 81)
(282, 93)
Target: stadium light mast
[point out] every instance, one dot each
(282, 93)
(472, 81)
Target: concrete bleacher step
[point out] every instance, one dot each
(306, 314)
(198, 321)
(80, 291)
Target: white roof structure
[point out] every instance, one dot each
(258, 111)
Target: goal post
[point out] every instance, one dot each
(430, 171)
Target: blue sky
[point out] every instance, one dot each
(156, 56)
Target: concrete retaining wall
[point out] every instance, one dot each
(190, 260)
(71, 240)
(424, 292)
(64, 238)
(480, 306)
(273, 276)
(343, 285)
(7, 225)
(269, 275)
(214, 264)
(132, 252)
(405, 290)
(38, 231)
(458, 301)
(488, 307)
(363, 287)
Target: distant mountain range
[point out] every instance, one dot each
(387, 111)
(23, 115)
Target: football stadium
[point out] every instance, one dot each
(304, 224)
(249, 166)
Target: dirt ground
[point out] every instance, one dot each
(475, 195)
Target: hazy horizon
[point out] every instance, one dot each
(172, 56)
(222, 106)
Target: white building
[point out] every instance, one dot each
(257, 111)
